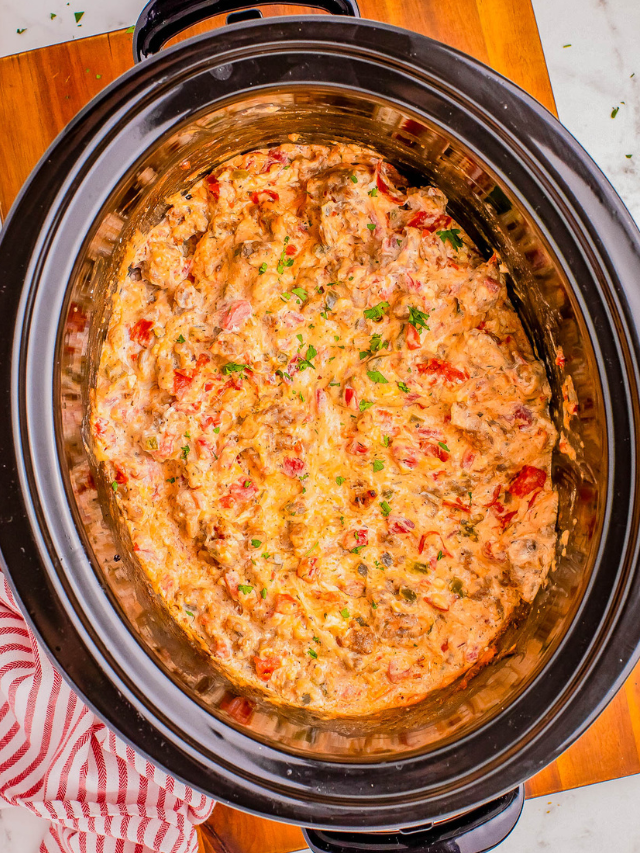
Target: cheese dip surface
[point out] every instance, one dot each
(327, 432)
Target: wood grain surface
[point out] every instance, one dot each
(40, 91)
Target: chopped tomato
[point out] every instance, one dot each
(560, 358)
(291, 249)
(494, 497)
(265, 667)
(429, 222)
(528, 479)
(203, 358)
(236, 315)
(523, 415)
(456, 505)
(213, 185)
(355, 539)
(357, 448)
(101, 426)
(238, 707)
(413, 337)
(121, 477)
(435, 450)
(241, 492)
(141, 332)
(395, 673)
(505, 520)
(286, 604)
(307, 568)
(400, 525)
(386, 176)
(442, 368)
(181, 381)
(467, 458)
(350, 398)
(271, 195)
(293, 467)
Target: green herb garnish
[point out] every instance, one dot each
(364, 405)
(244, 588)
(452, 236)
(313, 653)
(185, 452)
(262, 268)
(377, 312)
(376, 376)
(373, 192)
(233, 367)
(344, 613)
(443, 446)
(371, 226)
(339, 480)
(385, 508)
(256, 543)
(385, 440)
(418, 319)
(354, 179)
(403, 387)
(264, 592)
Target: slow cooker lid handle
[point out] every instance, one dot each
(474, 832)
(161, 20)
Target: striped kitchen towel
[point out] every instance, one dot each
(58, 760)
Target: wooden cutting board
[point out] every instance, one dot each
(40, 91)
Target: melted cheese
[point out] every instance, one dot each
(327, 432)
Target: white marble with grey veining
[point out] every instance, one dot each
(592, 49)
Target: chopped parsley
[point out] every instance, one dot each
(344, 613)
(373, 192)
(298, 291)
(378, 464)
(354, 179)
(403, 387)
(614, 111)
(20, 31)
(418, 319)
(364, 405)
(443, 446)
(189, 613)
(283, 260)
(376, 376)
(385, 508)
(375, 344)
(256, 543)
(440, 555)
(185, 452)
(385, 440)
(334, 384)
(317, 640)
(313, 653)
(263, 594)
(299, 337)
(78, 16)
(371, 226)
(262, 268)
(374, 605)
(339, 480)
(377, 312)
(283, 375)
(170, 480)
(180, 339)
(233, 367)
(357, 549)
(216, 430)
(306, 361)
(265, 555)
(451, 235)
(114, 486)
(244, 588)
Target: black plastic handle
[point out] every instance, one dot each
(160, 20)
(474, 832)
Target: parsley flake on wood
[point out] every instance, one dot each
(377, 377)
(451, 235)
(615, 111)
(78, 16)
(244, 588)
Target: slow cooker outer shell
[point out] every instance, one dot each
(71, 608)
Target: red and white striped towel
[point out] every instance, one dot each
(58, 760)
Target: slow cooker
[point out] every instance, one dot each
(447, 773)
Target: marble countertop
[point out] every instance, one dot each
(592, 49)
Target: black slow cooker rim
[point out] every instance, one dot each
(51, 619)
